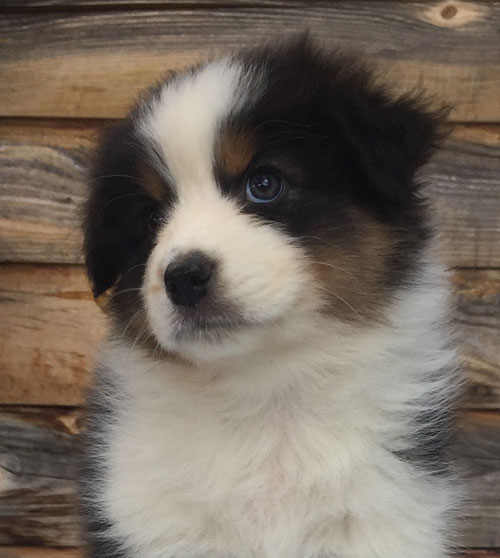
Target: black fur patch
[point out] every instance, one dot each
(325, 108)
(120, 212)
(121, 220)
(338, 141)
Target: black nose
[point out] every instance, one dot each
(187, 278)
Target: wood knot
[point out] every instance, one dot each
(454, 13)
(449, 11)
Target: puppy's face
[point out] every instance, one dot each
(256, 194)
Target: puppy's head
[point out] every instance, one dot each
(256, 193)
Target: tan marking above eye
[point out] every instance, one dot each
(151, 182)
(235, 151)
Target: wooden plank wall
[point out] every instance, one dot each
(68, 67)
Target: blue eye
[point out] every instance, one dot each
(263, 187)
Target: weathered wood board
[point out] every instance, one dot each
(51, 330)
(43, 184)
(41, 552)
(93, 63)
(479, 447)
(37, 463)
(49, 335)
(478, 327)
(21, 5)
(464, 191)
(38, 467)
(42, 187)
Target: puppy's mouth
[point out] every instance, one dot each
(207, 321)
(206, 328)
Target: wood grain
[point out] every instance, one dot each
(50, 332)
(40, 552)
(478, 324)
(478, 450)
(464, 190)
(43, 174)
(51, 329)
(37, 464)
(37, 468)
(93, 63)
(22, 5)
(25, 5)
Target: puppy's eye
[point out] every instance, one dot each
(155, 221)
(264, 187)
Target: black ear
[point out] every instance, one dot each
(392, 139)
(117, 212)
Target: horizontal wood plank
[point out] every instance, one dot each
(93, 63)
(37, 463)
(478, 450)
(51, 330)
(478, 324)
(20, 5)
(43, 175)
(464, 192)
(38, 467)
(41, 552)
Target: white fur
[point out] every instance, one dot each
(182, 124)
(285, 452)
(261, 272)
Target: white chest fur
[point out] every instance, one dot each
(203, 469)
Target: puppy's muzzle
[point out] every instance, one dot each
(188, 278)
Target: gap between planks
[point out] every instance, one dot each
(40, 552)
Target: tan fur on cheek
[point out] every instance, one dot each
(351, 275)
(155, 289)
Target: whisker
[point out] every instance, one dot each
(136, 316)
(139, 337)
(341, 300)
(113, 176)
(334, 267)
(123, 291)
(125, 196)
(135, 267)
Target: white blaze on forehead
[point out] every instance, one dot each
(182, 123)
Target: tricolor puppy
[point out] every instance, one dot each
(279, 375)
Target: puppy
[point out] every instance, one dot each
(280, 376)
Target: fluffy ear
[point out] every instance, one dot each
(118, 209)
(392, 139)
